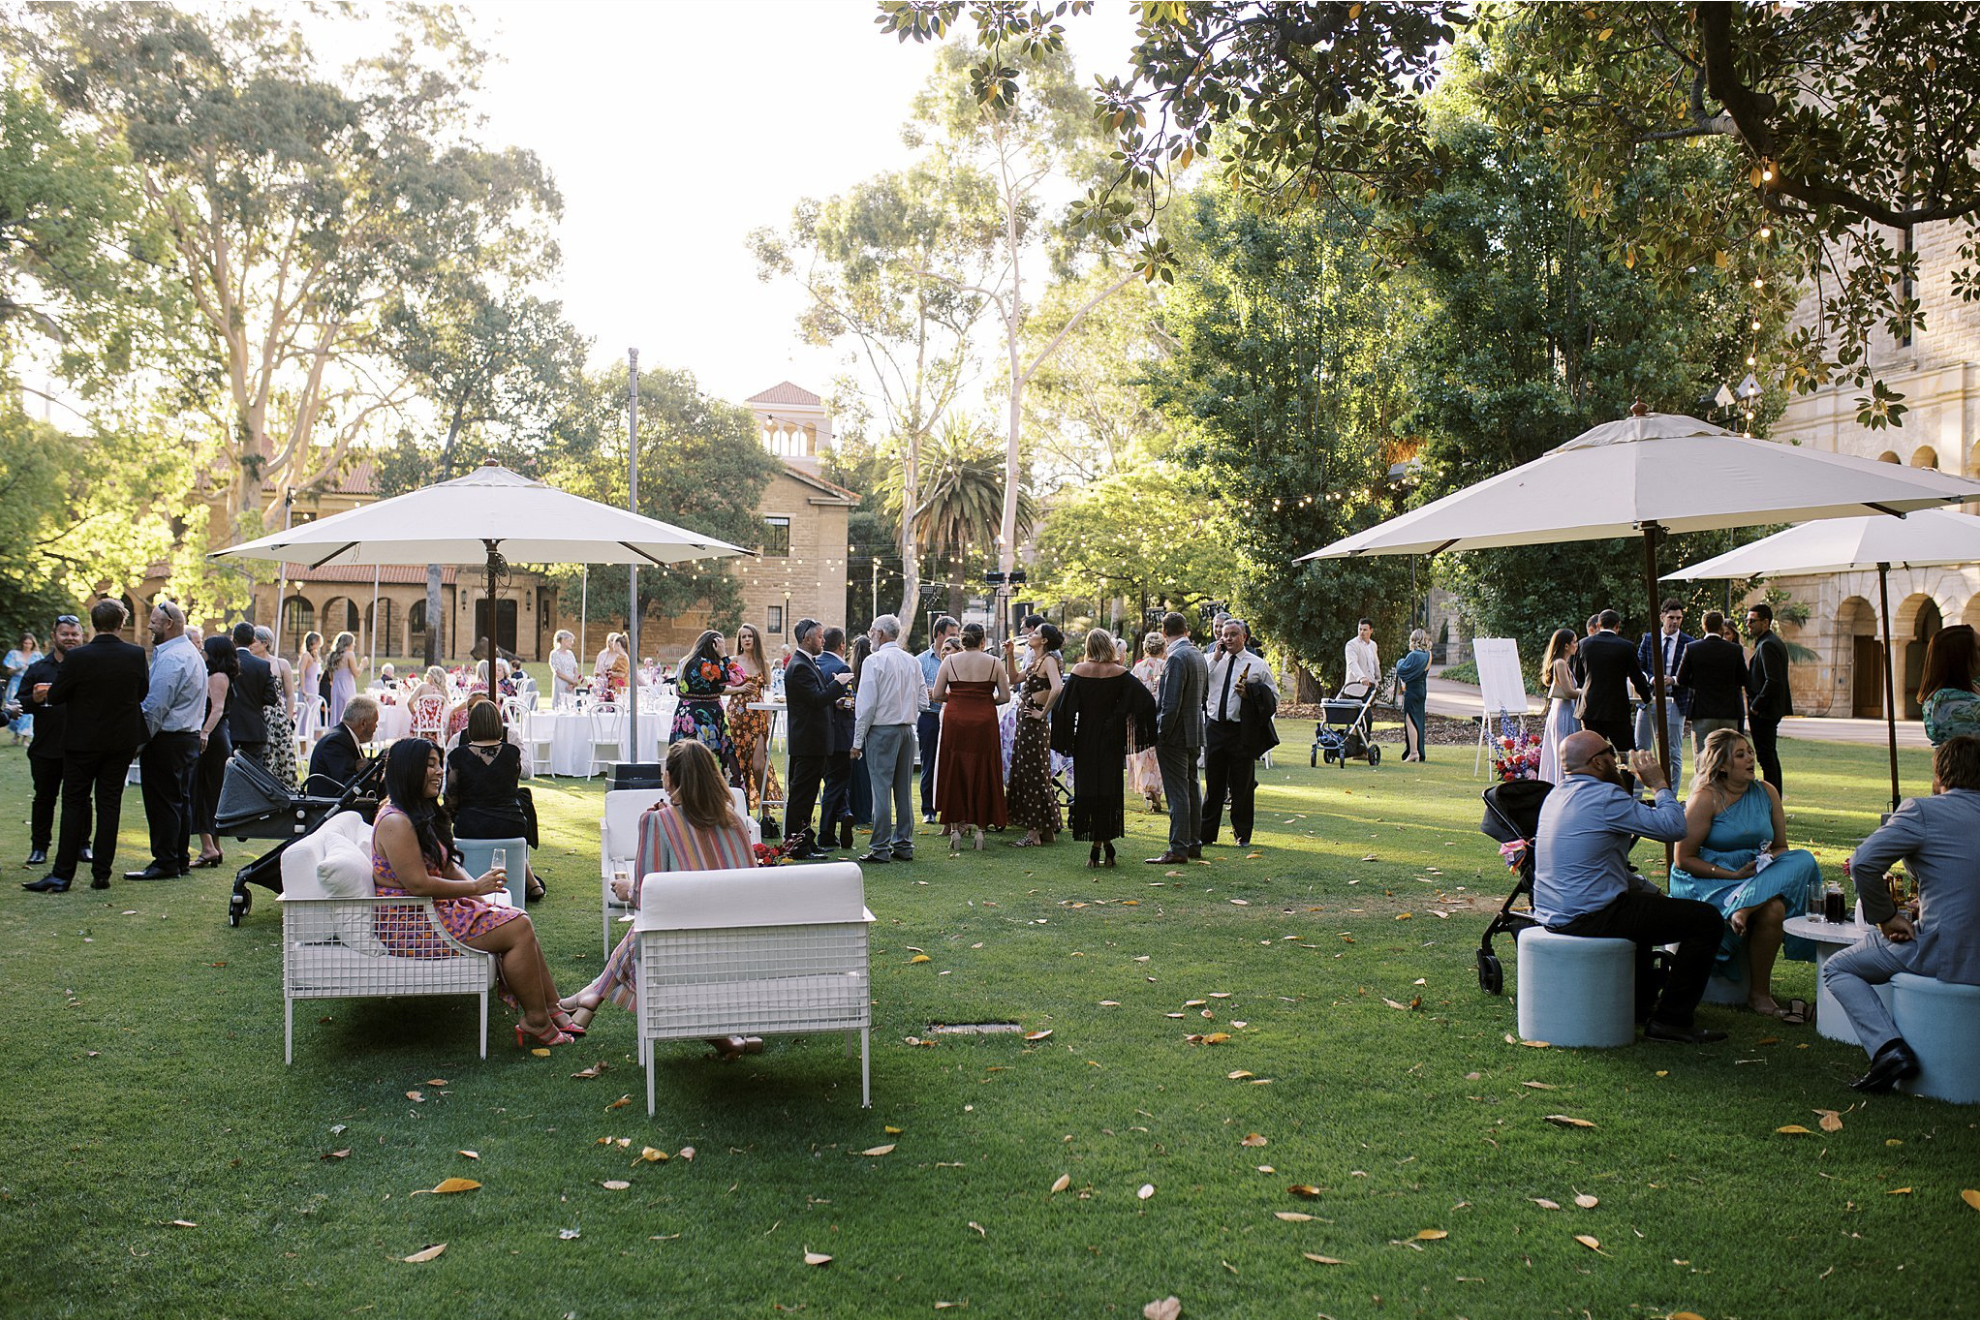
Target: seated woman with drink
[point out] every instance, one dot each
(1735, 857)
(413, 852)
(695, 829)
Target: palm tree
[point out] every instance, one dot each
(962, 502)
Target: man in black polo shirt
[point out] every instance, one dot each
(45, 752)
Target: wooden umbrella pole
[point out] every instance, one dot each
(1890, 684)
(1652, 533)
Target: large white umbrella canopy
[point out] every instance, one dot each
(491, 510)
(1650, 474)
(1933, 538)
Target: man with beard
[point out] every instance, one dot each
(1582, 884)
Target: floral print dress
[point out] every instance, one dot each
(1032, 800)
(699, 715)
(750, 729)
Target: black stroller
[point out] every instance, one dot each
(1512, 816)
(1346, 731)
(254, 804)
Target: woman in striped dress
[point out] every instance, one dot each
(697, 829)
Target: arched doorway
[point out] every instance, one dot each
(1925, 457)
(300, 617)
(416, 627)
(340, 614)
(1917, 620)
(1859, 646)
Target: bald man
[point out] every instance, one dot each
(1582, 884)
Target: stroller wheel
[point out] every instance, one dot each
(1374, 756)
(238, 905)
(1491, 977)
(1312, 758)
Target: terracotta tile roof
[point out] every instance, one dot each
(785, 394)
(799, 474)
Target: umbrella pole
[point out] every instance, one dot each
(374, 621)
(1890, 683)
(584, 613)
(631, 748)
(1652, 533)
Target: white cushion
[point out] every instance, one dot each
(344, 869)
(755, 896)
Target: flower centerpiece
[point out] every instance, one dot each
(1515, 752)
(769, 856)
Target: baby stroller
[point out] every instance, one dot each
(254, 804)
(1512, 816)
(1346, 729)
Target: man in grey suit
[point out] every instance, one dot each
(1179, 738)
(1933, 837)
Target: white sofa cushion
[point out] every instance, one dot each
(759, 896)
(344, 868)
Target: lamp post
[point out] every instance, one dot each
(632, 570)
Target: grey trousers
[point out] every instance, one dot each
(1852, 974)
(889, 756)
(1185, 793)
(1646, 736)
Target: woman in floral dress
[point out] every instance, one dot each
(1144, 775)
(704, 679)
(750, 729)
(1033, 802)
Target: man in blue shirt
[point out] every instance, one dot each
(1582, 884)
(928, 729)
(174, 709)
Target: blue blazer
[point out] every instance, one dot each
(1646, 656)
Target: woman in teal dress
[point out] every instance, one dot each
(1735, 857)
(705, 678)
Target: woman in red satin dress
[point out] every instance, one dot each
(969, 759)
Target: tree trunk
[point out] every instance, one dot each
(910, 561)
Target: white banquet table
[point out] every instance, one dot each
(570, 734)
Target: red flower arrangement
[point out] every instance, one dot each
(769, 856)
(1515, 753)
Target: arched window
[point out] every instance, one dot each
(300, 616)
(1925, 457)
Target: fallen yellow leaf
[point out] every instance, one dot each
(447, 1186)
(1237, 1075)
(422, 1256)
(1898, 1191)
(1039, 1035)
(586, 1074)
(185, 1223)
(1566, 1121)
(918, 958)
(891, 1130)
(1253, 1140)
(470, 1154)
(815, 1258)
(1432, 1235)
(1592, 1244)
(1971, 1197)
(1322, 1260)
(879, 1150)
(540, 1052)
(1544, 1203)
(1306, 1190)
(1586, 1202)
(615, 1184)
(649, 1155)
(620, 1103)
(1293, 1216)
(1831, 1120)
(1794, 1130)
(1060, 1184)
(436, 1081)
(1216, 1038)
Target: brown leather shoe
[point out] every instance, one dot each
(1170, 858)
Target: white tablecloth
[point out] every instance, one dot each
(394, 722)
(570, 734)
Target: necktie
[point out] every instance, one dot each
(1224, 699)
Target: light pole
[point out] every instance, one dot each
(632, 570)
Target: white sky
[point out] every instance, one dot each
(675, 128)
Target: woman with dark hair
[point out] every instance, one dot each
(18, 661)
(1034, 803)
(1945, 690)
(969, 774)
(412, 852)
(1104, 714)
(750, 729)
(1557, 680)
(695, 829)
(861, 788)
(223, 665)
(704, 679)
(484, 786)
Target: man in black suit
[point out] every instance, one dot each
(1714, 672)
(339, 754)
(835, 811)
(246, 724)
(103, 684)
(1610, 664)
(1672, 640)
(45, 752)
(808, 696)
(1768, 700)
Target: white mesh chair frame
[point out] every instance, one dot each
(618, 846)
(605, 733)
(320, 962)
(708, 967)
(540, 744)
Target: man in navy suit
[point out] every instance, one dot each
(1609, 662)
(835, 810)
(1672, 641)
(103, 683)
(808, 695)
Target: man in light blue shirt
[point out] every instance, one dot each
(174, 709)
(928, 728)
(1582, 884)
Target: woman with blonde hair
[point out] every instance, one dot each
(309, 684)
(695, 828)
(1144, 775)
(1557, 681)
(750, 729)
(1413, 682)
(1735, 857)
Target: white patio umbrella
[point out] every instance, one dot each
(490, 517)
(1934, 538)
(1651, 474)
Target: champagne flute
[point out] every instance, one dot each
(498, 860)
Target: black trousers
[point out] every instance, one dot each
(210, 772)
(806, 776)
(1227, 770)
(1622, 736)
(83, 774)
(837, 811)
(1766, 749)
(1650, 920)
(47, 772)
(167, 763)
(928, 734)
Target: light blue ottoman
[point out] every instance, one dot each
(1575, 991)
(1941, 1022)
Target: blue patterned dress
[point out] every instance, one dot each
(1738, 834)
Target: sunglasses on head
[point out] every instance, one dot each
(66, 618)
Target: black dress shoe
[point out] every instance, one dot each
(87, 855)
(99, 882)
(1195, 850)
(39, 857)
(875, 859)
(155, 872)
(1244, 843)
(48, 884)
(1655, 1030)
(1893, 1064)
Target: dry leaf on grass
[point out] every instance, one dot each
(1898, 1191)
(615, 1184)
(436, 1081)
(1240, 902)
(1306, 1190)
(879, 1150)
(184, 1223)
(1831, 1120)
(1167, 1309)
(1039, 1035)
(540, 1052)
(1253, 1140)
(620, 1103)
(1544, 1203)
(416, 1097)
(587, 1074)
(448, 1186)
(569, 1234)
(1060, 1184)
(1971, 1197)
(891, 1130)
(422, 1256)
(918, 958)
(1147, 1190)
(816, 1258)
(1592, 1244)
(1216, 1038)
(1564, 1120)
(687, 1153)
(1293, 1216)
(1793, 1130)
(1585, 1201)
(649, 1155)
(1110, 1003)
(470, 1154)
(1432, 1235)
(343, 1154)
(1539, 1086)
(1321, 1260)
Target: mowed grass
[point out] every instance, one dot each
(144, 1085)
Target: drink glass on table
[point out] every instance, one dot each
(1832, 907)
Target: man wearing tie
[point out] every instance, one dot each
(1228, 759)
(103, 685)
(1672, 641)
(1179, 737)
(809, 696)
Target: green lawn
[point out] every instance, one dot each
(144, 1085)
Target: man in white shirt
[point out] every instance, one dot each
(891, 697)
(174, 708)
(1364, 663)
(1237, 677)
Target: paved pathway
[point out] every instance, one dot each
(1461, 701)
